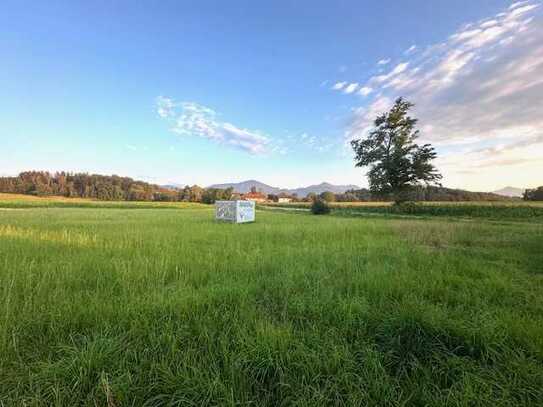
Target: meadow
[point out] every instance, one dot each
(136, 304)
(510, 210)
(18, 201)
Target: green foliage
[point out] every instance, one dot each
(396, 162)
(104, 188)
(475, 210)
(320, 207)
(210, 195)
(428, 193)
(168, 308)
(407, 207)
(327, 196)
(533, 194)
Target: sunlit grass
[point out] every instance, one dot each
(443, 203)
(167, 307)
(18, 201)
(65, 236)
(33, 198)
(501, 210)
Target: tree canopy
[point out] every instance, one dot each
(104, 188)
(535, 194)
(397, 163)
(328, 196)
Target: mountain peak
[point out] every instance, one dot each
(245, 186)
(510, 191)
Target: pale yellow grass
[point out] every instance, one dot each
(21, 197)
(65, 236)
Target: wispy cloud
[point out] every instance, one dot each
(398, 69)
(193, 119)
(518, 4)
(383, 61)
(339, 85)
(350, 88)
(410, 50)
(314, 143)
(365, 90)
(480, 89)
(165, 107)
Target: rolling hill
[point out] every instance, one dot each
(245, 186)
(510, 192)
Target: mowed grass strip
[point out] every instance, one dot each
(167, 307)
(18, 201)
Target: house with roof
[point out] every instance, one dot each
(254, 196)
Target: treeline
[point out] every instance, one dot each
(535, 194)
(116, 188)
(420, 193)
(104, 188)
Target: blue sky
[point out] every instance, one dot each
(212, 91)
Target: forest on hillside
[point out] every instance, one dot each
(102, 187)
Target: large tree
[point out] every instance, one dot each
(397, 163)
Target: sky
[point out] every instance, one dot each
(208, 92)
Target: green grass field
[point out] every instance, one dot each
(509, 210)
(116, 306)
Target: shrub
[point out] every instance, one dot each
(320, 207)
(328, 196)
(408, 207)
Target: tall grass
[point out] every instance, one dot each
(166, 308)
(531, 211)
(475, 210)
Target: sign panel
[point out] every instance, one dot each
(225, 210)
(235, 211)
(245, 211)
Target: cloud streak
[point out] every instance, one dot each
(193, 119)
(350, 88)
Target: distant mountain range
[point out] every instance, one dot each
(510, 192)
(323, 187)
(245, 186)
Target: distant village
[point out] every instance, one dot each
(258, 196)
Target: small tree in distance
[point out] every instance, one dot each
(396, 162)
(320, 207)
(328, 196)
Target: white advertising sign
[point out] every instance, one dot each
(235, 211)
